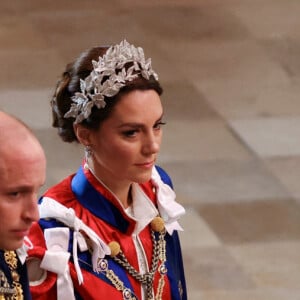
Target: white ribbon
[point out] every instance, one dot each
(56, 260)
(168, 208)
(49, 208)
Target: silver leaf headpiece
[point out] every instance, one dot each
(109, 75)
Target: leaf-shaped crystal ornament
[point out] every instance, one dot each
(109, 75)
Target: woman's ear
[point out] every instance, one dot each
(83, 134)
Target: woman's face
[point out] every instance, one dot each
(126, 145)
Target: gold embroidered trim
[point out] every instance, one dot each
(10, 258)
(5, 288)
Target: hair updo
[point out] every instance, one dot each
(69, 84)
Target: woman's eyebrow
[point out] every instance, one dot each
(137, 124)
(131, 124)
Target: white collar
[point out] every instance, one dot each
(142, 210)
(168, 208)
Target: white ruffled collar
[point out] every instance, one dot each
(169, 209)
(143, 210)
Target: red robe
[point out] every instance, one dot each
(111, 223)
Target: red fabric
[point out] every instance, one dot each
(93, 287)
(47, 289)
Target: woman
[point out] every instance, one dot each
(110, 230)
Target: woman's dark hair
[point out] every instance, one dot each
(69, 84)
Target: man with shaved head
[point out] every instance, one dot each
(22, 173)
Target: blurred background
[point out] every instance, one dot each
(231, 72)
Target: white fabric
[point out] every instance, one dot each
(168, 208)
(56, 260)
(22, 251)
(143, 210)
(50, 208)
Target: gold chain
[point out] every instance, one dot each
(115, 280)
(159, 253)
(162, 268)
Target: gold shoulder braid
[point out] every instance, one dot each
(158, 254)
(15, 292)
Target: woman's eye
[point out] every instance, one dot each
(129, 133)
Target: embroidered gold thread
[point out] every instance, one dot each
(4, 286)
(10, 258)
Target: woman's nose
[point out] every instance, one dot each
(152, 144)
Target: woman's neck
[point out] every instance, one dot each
(121, 190)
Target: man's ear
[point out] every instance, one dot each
(83, 134)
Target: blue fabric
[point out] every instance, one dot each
(97, 203)
(175, 267)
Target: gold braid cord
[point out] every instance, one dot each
(17, 292)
